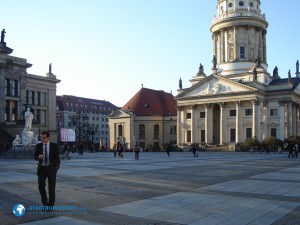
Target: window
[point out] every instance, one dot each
(273, 132)
(241, 3)
(202, 115)
(242, 52)
(232, 113)
(189, 136)
(11, 88)
(142, 131)
(120, 131)
(251, 4)
(230, 5)
(203, 136)
(232, 135)
(248, 112)
(274, 112)
(248, 133)
(11, 110)
(173, 130)
(30, 97)
(188, 116)
(156, 131)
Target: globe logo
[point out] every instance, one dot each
(19, 210)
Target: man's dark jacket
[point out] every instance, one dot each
(53, 155)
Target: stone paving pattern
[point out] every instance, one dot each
(213, 189)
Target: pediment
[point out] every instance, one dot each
(297, 89)
(119, 114)
(216, 86)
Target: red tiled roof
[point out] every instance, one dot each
(148, 102)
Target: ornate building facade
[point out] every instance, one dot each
(19, 90)
(240, 99)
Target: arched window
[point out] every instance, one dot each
(156, 131)
(120, 131)
(142, 131)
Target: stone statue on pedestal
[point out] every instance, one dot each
(28, 120)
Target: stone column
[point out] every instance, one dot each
(297, 120)
(265, 120)
(193, 127)
(179, 122)
(254, 119)
(222, 124)
(222, 47)
(237, 123)
(282, 121)
(294, 119)
(235, 34)
(208, 125)
(290, 119)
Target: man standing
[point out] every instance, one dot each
(47, 154)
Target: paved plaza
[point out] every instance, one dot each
(214, 189)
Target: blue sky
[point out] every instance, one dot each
(105, 49)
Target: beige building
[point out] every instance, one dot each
(147, 119)
(240, 99)
(20, 90)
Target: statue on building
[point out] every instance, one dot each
(28, 120)
(254, 74)
(180, 84)
(50, 68)
(201, 68)
(3, 32)
(289, 77)
(275, 72)
(297, 67)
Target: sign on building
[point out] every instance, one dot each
(67, 135)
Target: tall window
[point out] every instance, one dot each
(156, 131)
(142, 132)
(11, 88)
(242, 53)
(189, 136)
(120, 131)
(232, 135)
(11, 109)
(173, 130)
(273, 132)
(248, 133)
(202, 135)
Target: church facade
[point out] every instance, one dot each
(240, 99)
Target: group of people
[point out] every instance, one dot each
(118, 149)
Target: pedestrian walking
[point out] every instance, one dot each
(47, 155)
(291, 150)
(137, 149)
(296, 150)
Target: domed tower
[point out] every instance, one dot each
(239, 39)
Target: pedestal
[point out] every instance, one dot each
(27, 137)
